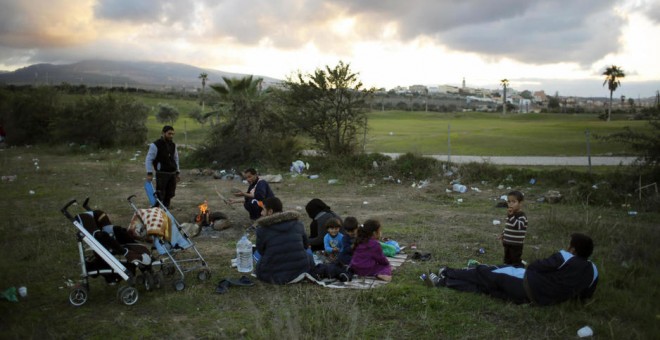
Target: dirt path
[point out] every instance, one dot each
(533, 160)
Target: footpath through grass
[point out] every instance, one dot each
(38, 250)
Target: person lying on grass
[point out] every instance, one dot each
(565, 275)
(368, 258)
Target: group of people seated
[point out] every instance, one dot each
(351, 248)
(287, 251)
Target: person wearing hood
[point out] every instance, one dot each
(282, 243)
(320, 213)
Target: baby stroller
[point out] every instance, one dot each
(177, 252)
(112, 253)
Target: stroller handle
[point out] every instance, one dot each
(65, 209)
(86, 204)
(130, 198)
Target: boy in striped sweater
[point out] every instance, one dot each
(515, 229)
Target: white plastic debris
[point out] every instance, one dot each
(496, 222)
(32, 192)
(333, 181)
(585, 331)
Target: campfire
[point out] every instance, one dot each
(202, 219)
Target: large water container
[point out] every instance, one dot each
(244, 255)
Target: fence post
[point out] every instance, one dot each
(448, 144)
(586, 132)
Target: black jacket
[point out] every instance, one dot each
(320, 213)
(282, 243)
(560, 277)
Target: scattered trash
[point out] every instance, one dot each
(423, 184)
(532, 181)
(475, 189)
(460, 200)
(447, 191)
(10, 294)
(509, 178)
(272, 178)
(553, 196)
(365, 202)
(500, 187)
(472, 263)
(585, 331)
(503, 197)
(595, 186)
(22, 291)
(632, 213)
(540, 199)
(299, 166)
(333, 181)
(299, 207)
(313, 176)
(481, 251)
(413, 246)
(449, 173)
(31, 192)
(9, 178)
(459, 188)
(374, 165)
(496, 222)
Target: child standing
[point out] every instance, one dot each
(368, 258)
(515, 229)
(332, 241)
(350, 233)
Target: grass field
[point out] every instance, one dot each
(472, 133)
(493, 134)
(38, 250)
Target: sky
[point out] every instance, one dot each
(559, 46)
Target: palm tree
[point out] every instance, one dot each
(204, 77)
(505, 83)
(612, 79)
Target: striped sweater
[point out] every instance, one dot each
(515, 229)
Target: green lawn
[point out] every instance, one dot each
(493, 134)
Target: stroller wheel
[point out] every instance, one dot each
(204, 275)
(148, 281)
(78, 296)
(158, 280)
(127, 295)
(179, 285)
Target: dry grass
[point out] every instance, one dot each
(38, 251)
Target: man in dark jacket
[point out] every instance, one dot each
(567, 274)
(282, 243)
(163, 160)
(320, 213)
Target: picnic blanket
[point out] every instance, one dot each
(358, 282)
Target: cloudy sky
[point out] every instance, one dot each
(554, 45)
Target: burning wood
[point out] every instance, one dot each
(202, 219)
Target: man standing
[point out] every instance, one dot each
(163, 160)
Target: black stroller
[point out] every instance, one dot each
(110, 252)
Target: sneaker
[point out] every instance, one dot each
(442, 272)
(432, 280)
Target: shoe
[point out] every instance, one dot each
(223, 287)
(442, 277)
(432, 280)
(244, 281)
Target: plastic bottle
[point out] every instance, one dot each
(244, 255)
(459, 188)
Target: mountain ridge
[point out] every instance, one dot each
(111, 73)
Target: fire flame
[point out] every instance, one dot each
(203, 208)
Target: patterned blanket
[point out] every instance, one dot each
(358, 282)
(152, 221)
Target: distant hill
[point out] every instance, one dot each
(141, 74)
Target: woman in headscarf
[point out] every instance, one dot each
(320, 213)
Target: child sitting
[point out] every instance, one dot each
(332, 241)
(368, 258)
(350, 233)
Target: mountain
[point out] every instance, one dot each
(141, 74)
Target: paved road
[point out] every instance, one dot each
(533, 160)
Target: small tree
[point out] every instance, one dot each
(204, 77)
(613, 75)
(330, 106)
(167, 114)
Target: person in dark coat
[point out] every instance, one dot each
(565, 275)
(163, 160)
(258, 190)
(282, 243)
(320, 213)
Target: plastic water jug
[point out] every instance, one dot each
(459, 188)
(244, 255)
